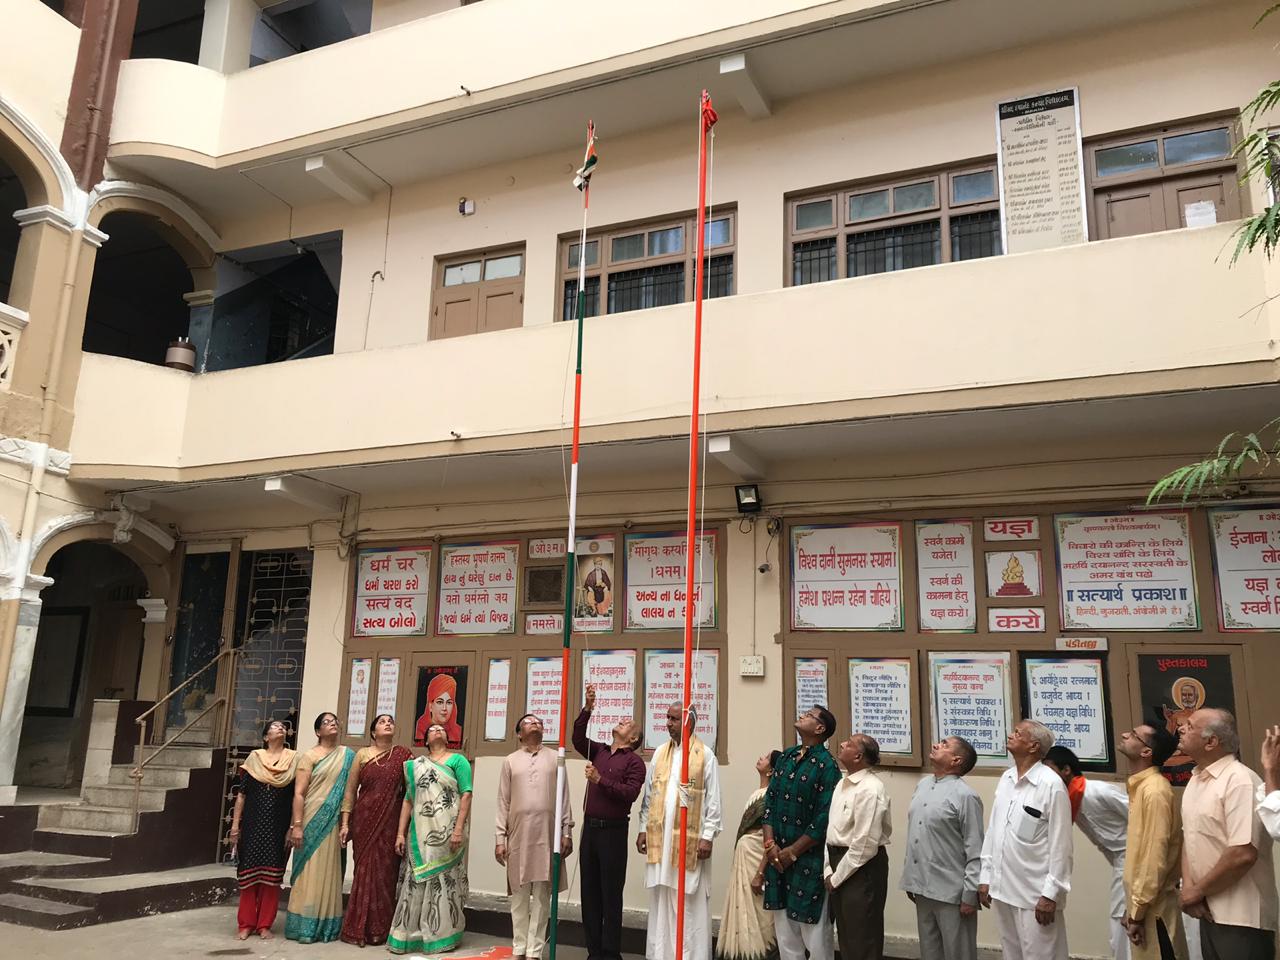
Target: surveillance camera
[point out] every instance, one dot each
(765, 567)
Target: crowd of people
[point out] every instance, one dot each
(810, 859)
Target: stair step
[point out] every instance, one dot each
(38, 862)
(184, 756)
(88, 816)
(119, 796)
(45, 914)
(155, 774)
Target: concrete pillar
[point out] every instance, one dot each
(227, 34)
(326, 626)
(16, 681)
(155, 621)
(200, 326)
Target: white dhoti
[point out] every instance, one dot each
(661, 943)
(1022, 938)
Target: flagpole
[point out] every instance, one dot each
(583, 182)
(706, 120)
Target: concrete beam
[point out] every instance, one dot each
(307, 492)
(341, 176)
(737, 457)
(750, 95)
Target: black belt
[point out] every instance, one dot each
(603, 824)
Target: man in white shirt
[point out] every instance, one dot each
(855, 864)
(1026, 856)
(1101, 811)
(660, 838)
(1268, 795)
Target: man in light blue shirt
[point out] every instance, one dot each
(944, 854)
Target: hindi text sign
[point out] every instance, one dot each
(1015, 619)
(944, 562)
(542, 694)
(847, 577)
(499, 691)
(388, 684)
(656, 581)
(1068, 695)
(664, 685)
(971, 699)
(358, 699)
(996, 529)
(614, 674)
(1246, 556)
(880, 697)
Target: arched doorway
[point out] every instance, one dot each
(89, 647)
(136, 303)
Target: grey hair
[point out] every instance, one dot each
(693, 711)
(1223, 726)
(1040, 734)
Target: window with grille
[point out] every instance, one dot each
(896, 224)
(645, 265)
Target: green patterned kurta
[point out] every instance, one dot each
(795, 805)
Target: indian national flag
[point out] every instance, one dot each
(582, 179)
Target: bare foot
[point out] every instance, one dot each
(266, 934)
(244, 934)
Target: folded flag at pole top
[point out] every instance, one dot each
(709, 115)
(582, 179)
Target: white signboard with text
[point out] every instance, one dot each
(614, 674)
(542, 694)
(1067, 695)
(970, 695)
(392, 586)
(656, 581)
(880, 697)
(499, 694)
(847, 577)
(944, 562)
(1246, 555)
(478, 588)
(664, 685)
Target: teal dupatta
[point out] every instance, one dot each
(325, 820)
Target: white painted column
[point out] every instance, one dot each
(326, 627)
(227, 34)
(15, 688)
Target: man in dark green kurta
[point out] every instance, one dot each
(795, 827)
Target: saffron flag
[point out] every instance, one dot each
(582, 179)
(709, 115)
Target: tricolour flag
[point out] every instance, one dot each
(582, 179)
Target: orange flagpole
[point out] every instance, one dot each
(706, 120)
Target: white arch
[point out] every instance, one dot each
(170, 201)
(72, 196)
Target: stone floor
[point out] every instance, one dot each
(209, 932)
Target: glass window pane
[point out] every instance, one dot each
(658, 286)
(503, 268)
(664, 242)
(718, 233)
(895, 248)
(628, 248)
(814, 215)
(972, 187)
(915, 196)
(865, 206)
(461, 273)
(1195, 147)
(975, 235)
(1113, 161)
(813, 261)
(593, 253)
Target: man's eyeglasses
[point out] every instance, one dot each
(1140, 739)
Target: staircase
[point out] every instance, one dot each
(96, 860)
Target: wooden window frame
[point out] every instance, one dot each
(843, 228)
(605, 265)
(519, 646)
(481, 286)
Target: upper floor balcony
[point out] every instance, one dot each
(1143, 315)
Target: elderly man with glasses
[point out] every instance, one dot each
(796, 806)
(1227, 880)
(1153, 841)
(1026, 856)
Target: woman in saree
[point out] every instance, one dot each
(259, 825)
(746, 928)
(370, 817)
(315, 896)
(433, 838)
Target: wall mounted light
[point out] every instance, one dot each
(748, 497)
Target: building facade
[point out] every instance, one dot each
(360, 216)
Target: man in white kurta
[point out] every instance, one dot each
(660, 826)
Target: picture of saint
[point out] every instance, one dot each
(597, 591)
(1174, 686)
(442, 694)
(593, 590)
(1187, 696)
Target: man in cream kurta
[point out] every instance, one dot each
(660, 816)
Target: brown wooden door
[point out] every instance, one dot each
(1190, 195)
(456, 312)
(501, 306)
(1131, 211)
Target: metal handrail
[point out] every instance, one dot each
(221, 731)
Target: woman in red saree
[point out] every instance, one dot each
(442, 708)
(370, 816)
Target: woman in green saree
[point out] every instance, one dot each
(315, 894)
(433, 838)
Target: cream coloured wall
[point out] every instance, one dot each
(38, 50)
(389, 13)
(1006, 321)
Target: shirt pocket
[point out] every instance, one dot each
(1029, 829)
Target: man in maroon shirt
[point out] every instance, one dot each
(615, 777)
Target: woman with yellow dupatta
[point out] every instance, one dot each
(315, 897)
(264, 799)
(433, 837)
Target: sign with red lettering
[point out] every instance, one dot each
(498, 695)
(847, 577)
(388, 684)
(613, 672)
(664, 685)
(656, 581)
(478, 587)
(547, 548)
(1011, 528)
(542, 694)
(1246, 566)
(1015, 619)
(971, 699)
(944, 566)
(392, 586)
(544, 624)
(1130, 571)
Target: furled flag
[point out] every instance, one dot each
(582, 179)
(709, 116)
